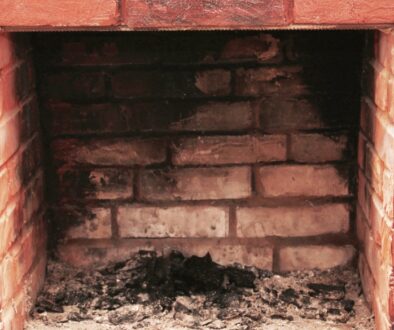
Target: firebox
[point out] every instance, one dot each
(259, 145)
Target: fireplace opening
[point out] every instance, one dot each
(261, 157)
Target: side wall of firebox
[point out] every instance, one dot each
(22, 229)
(375, 209)
(237, 144)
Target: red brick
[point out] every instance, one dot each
(164, 83)
(302, 180)
(213, 116)
(177, 221)
(373, 255)
(391, 47)
(381, 225)
(367, 280)
(263, 48)
(148, 116)
(363, 193)
(380, 270)
(16, 84)
(343, 11)
(222, 251)
(9, 138)
(10, 226)
(144, 14)
(229, 150)
(385, 48)
(317, 148)
(95, 184)
(125, 151)
(390, 106)
(388, 193)
(34, 281)
(17, 263)
(84, 222)
(19, 169)
(7, 49)
(8, 99)
(314, 256)
(292, 221)
(381, 87)
(68, 13)
(10, 180)
(381, 317)
(86, 119)
(374, 169)
(213, 82)
(14, 314)
(196, 183)
(382, 132)
(261, 81)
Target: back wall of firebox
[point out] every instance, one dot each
(242, 144)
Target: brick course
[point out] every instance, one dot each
(177, 15)
(237, 143)
(375, 196)
(22, 231)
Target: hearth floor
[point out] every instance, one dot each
(150, 292)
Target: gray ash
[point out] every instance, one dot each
(149, 291)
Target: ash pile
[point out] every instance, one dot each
(176, 292)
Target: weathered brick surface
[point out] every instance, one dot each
(222, 251)
(375, 196)
(388, 193)
(181, 116)
(7, 48)
(380, 90)
(255, 82)
(229, 150)
(343, 12)
(83, 222)
(361, 150)
(22, 231)
(196, 184)
(178, 221)
(68, 13)
(302, 180)
(319, 148)
(367, 280)
(123, 151)
(156, 83)
(374, 168)
(178, 15)
(169, 135)
(16, 82)
(19, 260)
(314, 256)
(305, 113)
(199, 15)
(96, 184)
(292, 221)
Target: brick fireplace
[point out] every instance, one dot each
(270, 148)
